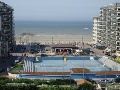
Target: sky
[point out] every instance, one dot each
(57, 10)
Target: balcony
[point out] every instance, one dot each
(118, 39)
(118, 48)
(6, 32)
(108, 20)
(118, 35)
(6, 12)
(94, 34)
(113, 16)
(6, 23)
(6, 28)
(113, 11)
(113, 20)
(118, 20)
(117, 44)
(7, 16)
(118, 4)
(118, 9)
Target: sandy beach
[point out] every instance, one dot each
(55, 39)
(58, 32)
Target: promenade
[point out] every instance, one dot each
(97, 51)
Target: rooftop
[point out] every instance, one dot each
(64, 46)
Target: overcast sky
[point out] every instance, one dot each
(57, 10)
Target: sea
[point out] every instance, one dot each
(53, 28)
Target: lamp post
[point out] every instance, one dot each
(83, 57)
(63, 67)
(70, 80)
(83, 68)
(52, 45)
(82, 42)
(36, 68)
(105, 75)
(70, 77)
(105, 71)
(52, 41)
(20, 40)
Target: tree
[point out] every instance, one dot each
(86, 86)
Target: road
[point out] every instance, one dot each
(97, 51)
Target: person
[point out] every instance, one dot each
(103, 51)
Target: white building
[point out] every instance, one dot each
(95, 30)
(108, 27)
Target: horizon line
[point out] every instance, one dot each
(54, 20)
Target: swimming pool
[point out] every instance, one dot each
(71, 76)
(58, 64)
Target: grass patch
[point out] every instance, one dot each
(18, 67)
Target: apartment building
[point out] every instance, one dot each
(95, 30)
(7, 39)
(108, 27)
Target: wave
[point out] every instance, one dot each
(85, 28)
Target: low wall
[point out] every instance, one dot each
(13, 75)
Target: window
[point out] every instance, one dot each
(118, 9)
(1, 4)
(118, 48)
(117, 33)
(4, 10)
(5, 19)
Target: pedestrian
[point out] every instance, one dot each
(103, 51)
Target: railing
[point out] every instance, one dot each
(118, 45)
(118, 10)
(118, 20)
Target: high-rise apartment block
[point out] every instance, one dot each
(106, 28)
(7, 39)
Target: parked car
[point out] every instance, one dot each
(43, 55)
(117, 80)
(107, 53)
(92, 53)
(105, 81)
(16, 61)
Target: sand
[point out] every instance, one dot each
(55, 39)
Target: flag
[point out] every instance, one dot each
(36, 58)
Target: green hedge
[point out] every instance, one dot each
(33, 87)
(4, 80)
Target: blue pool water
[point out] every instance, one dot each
(57, 64)
(61, 58)
(72, 76)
